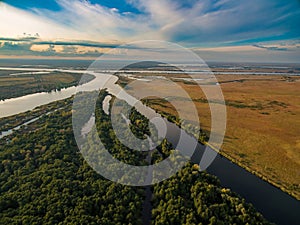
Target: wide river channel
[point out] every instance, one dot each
(277, 206)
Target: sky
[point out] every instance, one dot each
(217, 30)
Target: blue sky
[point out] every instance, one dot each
(73, 28)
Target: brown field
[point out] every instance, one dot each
(263, 125)
(18, 85)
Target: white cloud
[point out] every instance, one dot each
(211, 22)
(191, 22)
(100, 23)
(15, 22)
(204, 21)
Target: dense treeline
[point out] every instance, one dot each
(10, 122)
(193, 197)
(45, 180)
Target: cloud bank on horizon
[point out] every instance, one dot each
(217, 29)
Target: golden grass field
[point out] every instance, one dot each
(263, 125)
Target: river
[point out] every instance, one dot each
(274, 204)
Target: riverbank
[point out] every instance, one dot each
(7, 123)
(237, 172)
(19, 123)
(101, 79)
(256, 173)
(262, 123)
(13, 85)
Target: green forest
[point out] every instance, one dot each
(44, 179)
